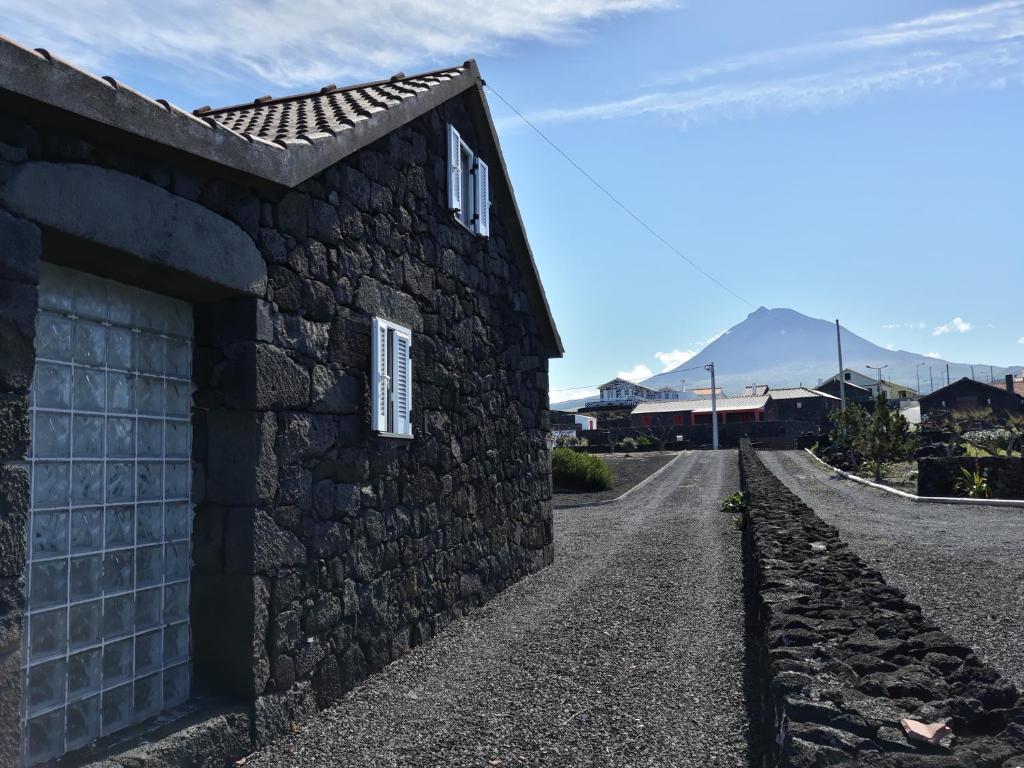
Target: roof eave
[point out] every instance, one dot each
(50, 80)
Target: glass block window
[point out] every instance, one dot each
(106, 640)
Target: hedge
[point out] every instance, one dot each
(579, 471)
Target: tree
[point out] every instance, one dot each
(886, 439)
(848, 428)
(661, 434)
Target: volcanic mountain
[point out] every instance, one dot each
(782, 347)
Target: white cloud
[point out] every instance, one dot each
(639, 373)
(891, 347)
(712, 337)
(1020, 340)
(981, 46)
(292, 44)
(985, 23)
(956, 324)
(891, 326)
(676, 357)
(936, 355)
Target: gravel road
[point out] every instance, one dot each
(628, 651)
(964, 565)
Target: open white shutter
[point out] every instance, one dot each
(454, 169)
(483, 200)
(381, 373)
(402, 366)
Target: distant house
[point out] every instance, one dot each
(621, 393)
(893, 391)
(802, 404)
(689, 412)
(565, 424)
(968, 394)
(788, 404)
(854, 393)
(667, 393)
(754, 390)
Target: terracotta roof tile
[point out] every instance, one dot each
(331, 110)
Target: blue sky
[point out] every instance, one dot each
(859, 159)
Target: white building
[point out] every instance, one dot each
(628, 393)
(893, 391)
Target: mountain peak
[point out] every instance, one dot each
(783, 347)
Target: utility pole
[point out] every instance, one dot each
(918, 372)
(991, 376)
(714, 407)
(931, 379)
(842, 383)
(947, 374)
(972, 372)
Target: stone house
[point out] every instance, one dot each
(855, 393)
(971, 395)
(802, 404)
(273, 399)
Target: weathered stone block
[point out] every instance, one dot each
(20, 249)
(276, 712)
(10, 708)
(379, 300)
(104, 206)
(262, 377)
(14, 510)
(14, 427)
(223, 616)
(334, 391)
(226, 322)
(12, 610)
(255, 543)
(241, 456)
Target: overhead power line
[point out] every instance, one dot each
(621, 205)
(595, 386)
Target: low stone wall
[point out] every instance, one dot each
(840, 656)
(939, 476)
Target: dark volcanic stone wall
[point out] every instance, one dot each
(939, 475)
(20, 246)
(843, 657)
(323, 552)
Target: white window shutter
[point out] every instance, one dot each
(483, 200)
(381, 374)
(454, 169)
(402, 365)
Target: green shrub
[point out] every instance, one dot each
(973, 485)
(735, 502)
(643, 441)
(579, 471)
